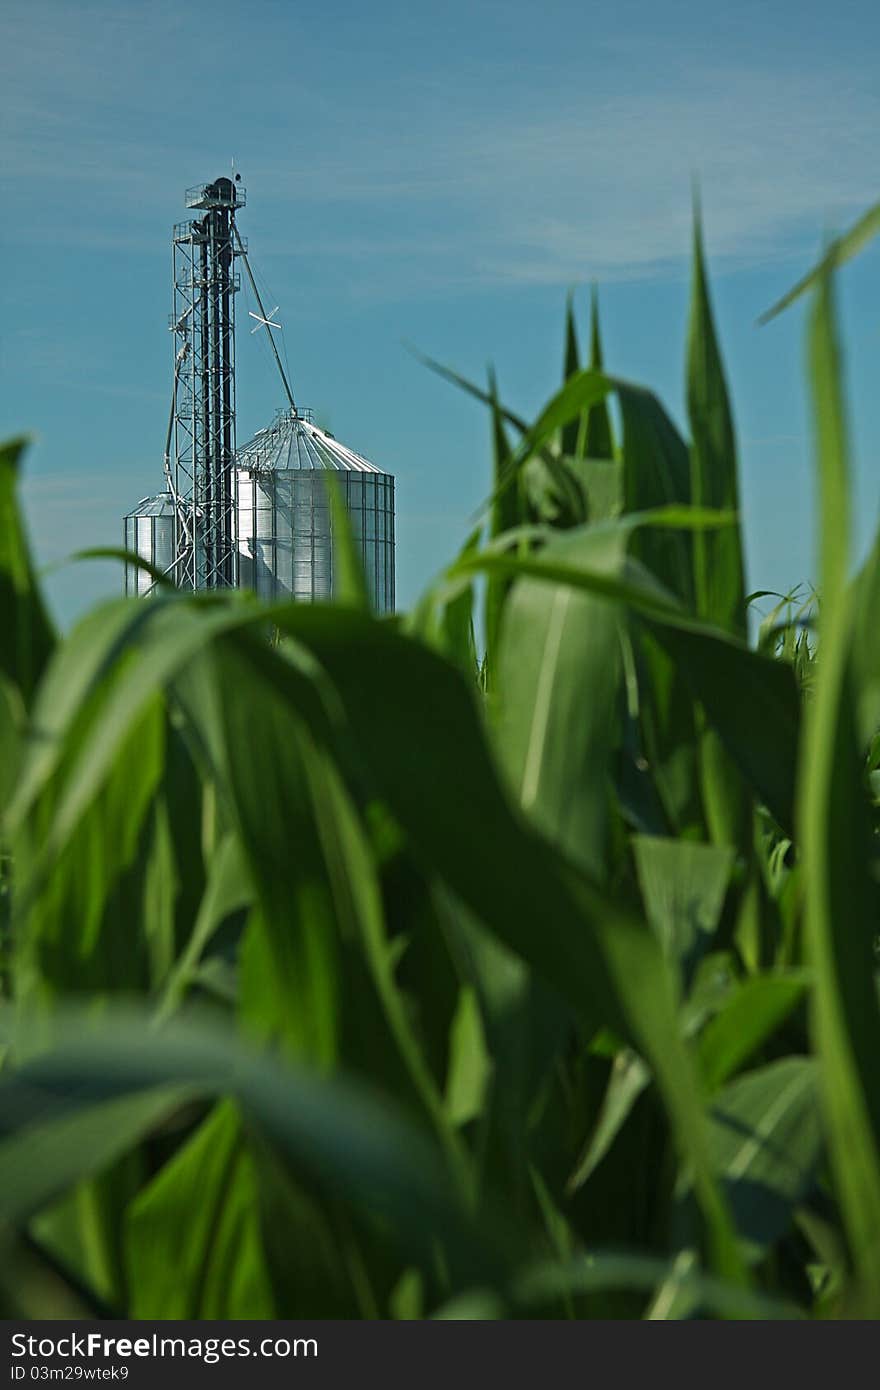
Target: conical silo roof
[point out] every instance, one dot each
(294, 443)
(162, 504)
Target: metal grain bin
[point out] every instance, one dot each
(283, 531)
(148, 531)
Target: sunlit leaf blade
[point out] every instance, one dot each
(126, 557)
(629, 1077)
(73, 933)
(718, 559)
(719, 583)
(584, 389)
(596, 439)
(472, 390)
(557, 684)
(349, 580)
(760, 732)
(199, 1218)
(614, 1269)
(470, 1063)
(765, 1140)
(602, 483)
(569, 436)
(80, 708)
(745, 1022)
(841, 250)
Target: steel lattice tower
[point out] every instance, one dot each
(200, 469)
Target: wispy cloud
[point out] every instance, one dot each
(420, 187)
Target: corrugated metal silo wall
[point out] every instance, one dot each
(284, 535)
(152, 538)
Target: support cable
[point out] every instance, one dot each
(247, 266)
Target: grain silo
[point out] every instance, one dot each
(282, 513)
(257, 517)
(150, 534)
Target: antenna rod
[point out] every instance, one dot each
(266, 317)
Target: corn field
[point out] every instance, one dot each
(356, 968)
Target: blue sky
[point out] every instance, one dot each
(438, 174)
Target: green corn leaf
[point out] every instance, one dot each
(360, 910)
(525, 1024)
(745, 1021)
(683, 886)
(719, 584)
(27, 638)
(556, 696)
(765, 1141)
(466, 829)
(596, 439)
(81, 715)
(760, 732)
(718, 558)
(648, 996)
(470, 1064)
(865, 655)
(126, 557)
(504, 515)
(591, 1272)
(509, 416)
(52, 1137)
(753, 704)
(840, 896)
(455, 635)
(74, 932)
(584, 389)
(199, 1218)
(656, 473)
(291, 967)
(313, 1244)
(345, 1142)
(228, 889)
(12, 730)
(296, 968)
(569, 436)
(841, 250)
(507, 876)
(629, 1078)
(349, 580)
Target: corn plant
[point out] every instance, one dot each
(352, 968)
